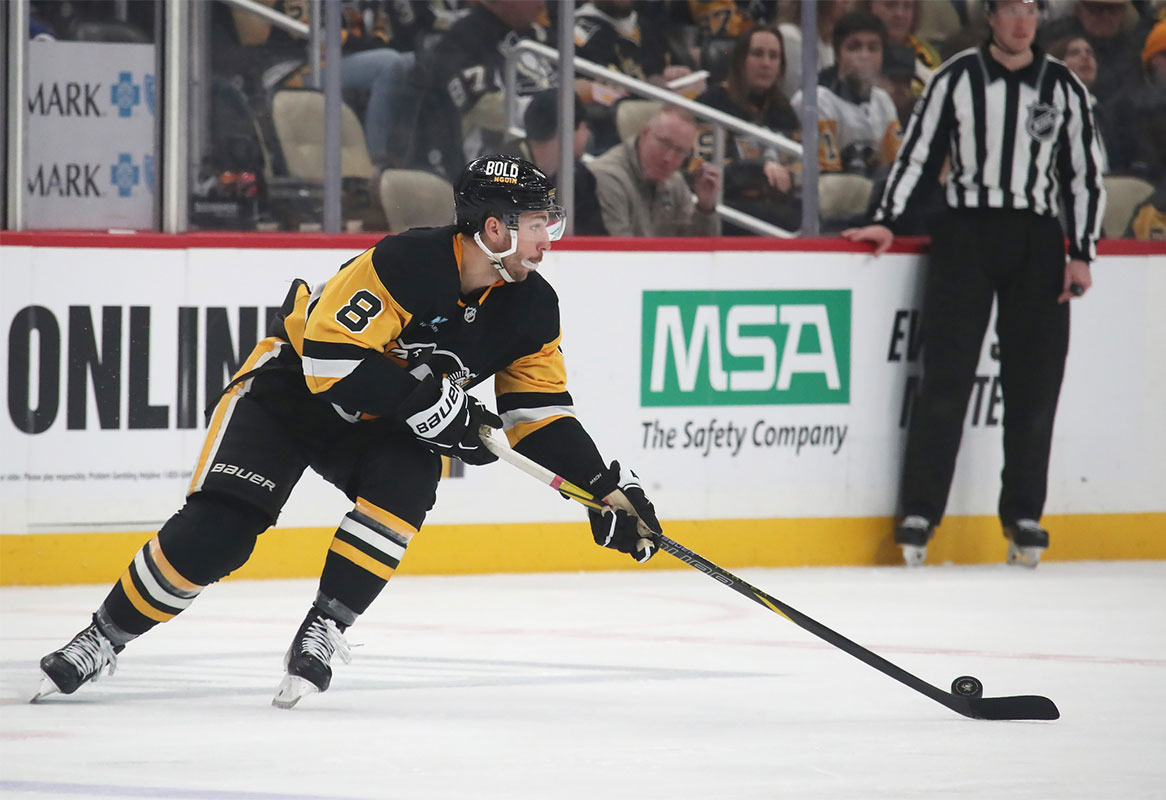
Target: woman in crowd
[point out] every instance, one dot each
(1077, 54)
(755, 179)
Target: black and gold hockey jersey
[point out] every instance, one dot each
(395, 313)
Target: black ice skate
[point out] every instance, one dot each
(1026, 541)
(83, 659)
(912, 535)
(308, 660)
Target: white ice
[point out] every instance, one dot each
(611, 685)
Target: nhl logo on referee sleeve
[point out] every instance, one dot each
(1042, 121)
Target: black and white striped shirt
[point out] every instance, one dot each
(1016, 140)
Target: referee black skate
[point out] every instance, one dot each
(1016, 128)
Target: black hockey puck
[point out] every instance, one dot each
(1076, 289)
(967, 686)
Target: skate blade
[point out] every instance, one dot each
(44, 688)
(1027, 557)
(913, 555)
(291, 690)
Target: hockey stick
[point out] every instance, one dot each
(965, 697)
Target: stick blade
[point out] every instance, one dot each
(1026, 706)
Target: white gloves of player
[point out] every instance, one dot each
(450, 424)
(630, 520)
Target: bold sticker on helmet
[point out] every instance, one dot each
(502, 169)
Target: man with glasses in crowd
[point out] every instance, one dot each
(642, 191)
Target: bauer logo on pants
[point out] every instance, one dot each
(243, 474)
(709, 348)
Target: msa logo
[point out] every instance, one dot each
(711, 348)
(243, 475)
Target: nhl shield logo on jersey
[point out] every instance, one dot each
(471, 313)
(1042, 121)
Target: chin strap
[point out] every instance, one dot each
(496, 258)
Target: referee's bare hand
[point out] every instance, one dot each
(878, 235)
(1077, 273)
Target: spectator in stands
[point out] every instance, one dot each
(709, 28)
(901, 18)
(1077, 54)
(1139, 116)
(461, 111)
(641, 189)
(899, 79)
(410, 24)
(756, 180)
(541, 147)
(38, 29)
(368, 64)
(1148, 222)
(1116, 46)
(608, 33)
(829, 12)
(858, 125)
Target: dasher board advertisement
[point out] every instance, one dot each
(740, 385)
(90, 158)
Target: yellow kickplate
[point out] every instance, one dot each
(67, 558)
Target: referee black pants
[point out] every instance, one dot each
(976, 255)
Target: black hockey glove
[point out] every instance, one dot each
(629, 522)
(448, 421)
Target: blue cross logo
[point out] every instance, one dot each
(125, 94)
(124, 175)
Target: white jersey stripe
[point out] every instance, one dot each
(330, 367)
(520, 415)
(155, 589)
(370, 537)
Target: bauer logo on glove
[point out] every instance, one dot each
(449, 421)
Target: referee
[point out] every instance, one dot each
(1016, 129)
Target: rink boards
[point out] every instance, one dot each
(762, 392)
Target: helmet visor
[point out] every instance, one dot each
(535, 225)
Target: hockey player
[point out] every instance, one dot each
(363, 379)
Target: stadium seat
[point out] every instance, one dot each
(412, 198)
(631, 115)
(298, 116)
(841, 195)
(1122, 196)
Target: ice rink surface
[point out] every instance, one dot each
(611, 685)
